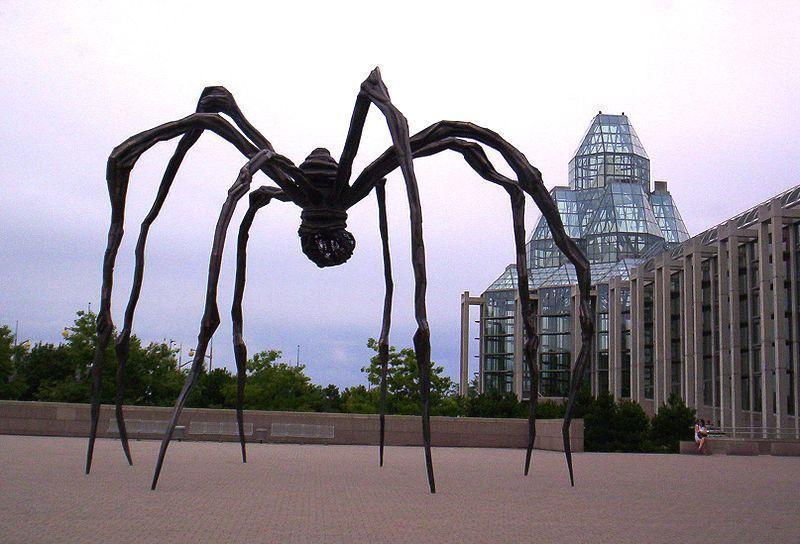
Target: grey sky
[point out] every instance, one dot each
(712, 89)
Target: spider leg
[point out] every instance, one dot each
(258, 199)
(210, 320)
(529, 179)
(212, 100)
(383, 343)
(122, 346)
(374, 91)
(120, 163)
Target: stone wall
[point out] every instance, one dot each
(63, 419)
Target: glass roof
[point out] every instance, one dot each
(507, 280)
(669, 218)
(624, 207)
(608, 209)
(610, 151)
(610, 134)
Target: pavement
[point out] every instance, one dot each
(310, 493)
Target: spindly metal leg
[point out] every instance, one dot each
(210, 320)
(123, 341)
(529, 179)
(212, 100)
(373, 90)
(120, 164)
(383, 343)
(531, 338)
(258, 199)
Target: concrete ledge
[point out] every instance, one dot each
(64, 419)
(785, 449)
(737, 446)
(689, 448)
(743, 447)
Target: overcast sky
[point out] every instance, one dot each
(711, 88)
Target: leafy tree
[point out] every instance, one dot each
(330, 401)
(360, 400)
(6, 361)
(672, 423)
(49, 372)
(215, 389)
(273, 385)
(402, 382)
(10, 383)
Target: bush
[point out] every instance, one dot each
(496, 404)
(598, 421)
(673, 423)
(610, 426)
(630, 427)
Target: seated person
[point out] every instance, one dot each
(701, 437)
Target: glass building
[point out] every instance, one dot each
(714, 318)
(618, 218)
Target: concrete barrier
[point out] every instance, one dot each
(63, 419)
(738, 446)
(743, 447)
(785, 449)
(688, 448)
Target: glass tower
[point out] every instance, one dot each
(618, 218)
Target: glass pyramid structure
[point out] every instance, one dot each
(608, 208)
(619, 219)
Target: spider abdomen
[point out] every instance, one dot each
(323, 237)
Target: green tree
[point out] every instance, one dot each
(49, 372)
(402, 382)
(360, 400)
(215, 389)
(273, 385)
(11, 385)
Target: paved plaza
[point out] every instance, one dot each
(306, 494)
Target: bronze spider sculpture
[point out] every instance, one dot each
(322, 189)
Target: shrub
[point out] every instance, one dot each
(630, 427)
(671, 424)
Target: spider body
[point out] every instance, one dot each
(321, 188)
(323, 234)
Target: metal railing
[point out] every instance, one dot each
(775, 433)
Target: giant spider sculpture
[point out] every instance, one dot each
(322, 189)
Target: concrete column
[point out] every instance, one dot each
(767, 326)
(576, 333)
(795, 325)
(466, 302)
(714, 298)
(691, 305)
(614, 338)
(637, 328)
(696, 346)
(723, 322)
(658, 317)
(735, 318)
(637, 331)
(752, 363)
(463, 384)
(780, 332)
(663, 334)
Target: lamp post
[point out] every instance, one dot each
(210, 355)
(180, 352)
